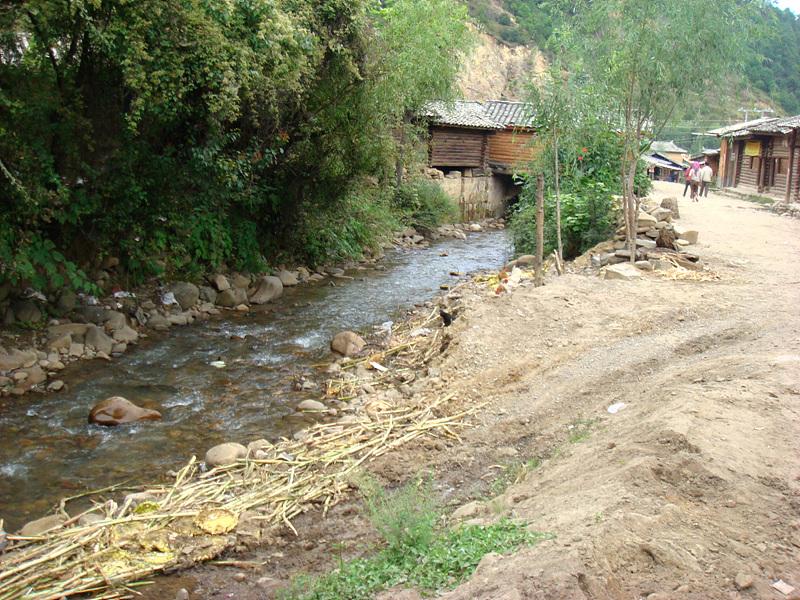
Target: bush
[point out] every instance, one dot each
(590, 178)
(586, 219)
(424, 204)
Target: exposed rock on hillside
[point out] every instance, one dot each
(497, 71)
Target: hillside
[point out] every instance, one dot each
(496, 70)
(771, 70)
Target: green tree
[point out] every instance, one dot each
(647, 57)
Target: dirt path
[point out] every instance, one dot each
(695, 481)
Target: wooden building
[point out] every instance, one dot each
(662, 168)
(459, 135)
(670, 151)
(511, 148)
(761, 157)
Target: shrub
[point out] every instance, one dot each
(424, 204)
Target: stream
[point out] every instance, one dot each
(49, 451)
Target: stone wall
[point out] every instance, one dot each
(477, 196)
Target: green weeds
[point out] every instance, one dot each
(416, 553)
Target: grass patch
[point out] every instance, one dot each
(580, 430)
(449, 559)
(513, 474)
(416, 554)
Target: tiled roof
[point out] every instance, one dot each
(510, 114)
(460, 114)
(744, 127)
(780, 125)
(667, 147)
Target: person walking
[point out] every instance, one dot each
(687, 178)
(706, 176)
(694, 180)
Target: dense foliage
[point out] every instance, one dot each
(187, 135)
(590, 184)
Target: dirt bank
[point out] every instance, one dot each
(695, 481)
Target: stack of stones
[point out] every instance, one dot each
(658, 237)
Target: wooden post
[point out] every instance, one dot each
(539, 230)
(790, 174)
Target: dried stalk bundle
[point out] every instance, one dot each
(195, 518)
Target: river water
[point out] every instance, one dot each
(48, 450)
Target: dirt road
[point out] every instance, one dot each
(698, 478)
(695, 481)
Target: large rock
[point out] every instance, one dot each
(27, 311)
(220, 282)
(266, 289)
(208, 294)
(288, 279)
(115, 320)
(240, 281)
(666, 238)
(622, 271)
(672, 205)
(67, 301)
(158, 321)
(645, 220)
(187, 294)
(117, 410)
(643, 243)
(311, 406)
(662, 214)
(16, 359)
(42, 526)
(231, 297)
(61, 342)
(689, 235)
(35, 375)
(77, 330)
(126, 335)
(225, 454)
(97, 339)
(347, 343)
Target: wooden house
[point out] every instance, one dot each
(459, 135)
(671, 151)
(662, 168)
(762, 157)
(512, 147)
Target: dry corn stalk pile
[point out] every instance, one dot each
(196, 517)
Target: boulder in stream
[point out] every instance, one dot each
(118, 410)
(41, 526)
(347, 343)
(222, 455)
(266, 289)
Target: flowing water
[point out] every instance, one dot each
(48, 450)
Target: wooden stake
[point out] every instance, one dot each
(539, 229)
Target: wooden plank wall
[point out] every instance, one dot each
(453, 147)
(511, 147)
(779, 149)
(749, 169)
(794, 193)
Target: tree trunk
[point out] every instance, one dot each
(633, 203)
(560, 245)
(539, 230)
(399, 165)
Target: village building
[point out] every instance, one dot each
(661, 168)
(474, 150)
(761, 157)
(670, 151)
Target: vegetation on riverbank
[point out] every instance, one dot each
(181, 139)
(417, 553)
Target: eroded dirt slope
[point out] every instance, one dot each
(698, 478)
